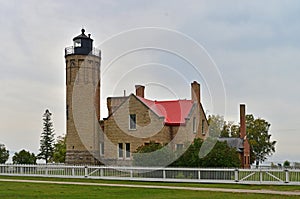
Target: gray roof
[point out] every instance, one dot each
(237, 143)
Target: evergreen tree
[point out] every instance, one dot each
(47, 138)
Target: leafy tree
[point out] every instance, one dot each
(24, 157)
(153, 154)
(259, 139)
(221, 156)
(4, 154)
(286, 164)
(59, 153)
(190, 158)
(47, 138)
(216, 125)
(223, 128)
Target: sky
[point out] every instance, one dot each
(243, 51)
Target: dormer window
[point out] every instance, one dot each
(77, 43)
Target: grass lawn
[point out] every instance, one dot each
(35, 190)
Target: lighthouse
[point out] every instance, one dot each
(82, 101)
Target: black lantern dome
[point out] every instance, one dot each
(83, 44)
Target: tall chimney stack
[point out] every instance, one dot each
(195, 92)
(242, 120)
(139, 90)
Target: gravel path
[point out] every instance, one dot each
(160, 187)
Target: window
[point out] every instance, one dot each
(194, 125)
(67, 112)
(202, 126)
(179, 146)
(132, 122)
(101, 148)
(120, 150)
(77, 43)
(127, 147)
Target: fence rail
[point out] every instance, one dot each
(201, 175)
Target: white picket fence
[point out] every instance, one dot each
(200, 175)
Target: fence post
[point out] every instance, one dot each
(101, 172)
(21, 170)
(287, 176)
(46, 171)
(85, 171)
(236, 175)
(164, 174)
(131, 173)
(73, 171)
(199, 174)
(260, 176)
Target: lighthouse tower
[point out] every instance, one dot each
(82, 89)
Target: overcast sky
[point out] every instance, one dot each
(255, 46)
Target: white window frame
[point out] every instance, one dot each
(102, 148)
(127, 151)
(118, 151)
(181, 148)
(194, 125)
(129, 122)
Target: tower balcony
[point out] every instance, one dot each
(71, 50)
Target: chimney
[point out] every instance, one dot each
(139, 90)
(242, 121)
(195, 92)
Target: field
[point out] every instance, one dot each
(37, 190)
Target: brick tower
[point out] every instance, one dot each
(82, 89)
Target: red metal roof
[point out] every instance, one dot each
(174, 111)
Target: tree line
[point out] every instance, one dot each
(261, 146)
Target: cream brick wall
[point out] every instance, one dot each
(83, 104)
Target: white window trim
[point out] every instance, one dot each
(101, 151)
(125, 151)
(176, 146)
(194, 125)
(129, 121)
(118, 148)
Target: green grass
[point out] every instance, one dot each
(35, 190)
(229, 186)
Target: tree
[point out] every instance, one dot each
(153, 154)
(220, 156)
(59, 154)
(4, 154)
(47, 138)
(259, 139)
(222, 128)
(216, 125)
(24, 157)
(190, 158)
(286, 164)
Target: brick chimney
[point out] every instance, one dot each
(242, 121)
(139, 90)
(195, 92)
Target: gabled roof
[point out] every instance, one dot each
(237, 143)
(174, 111)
